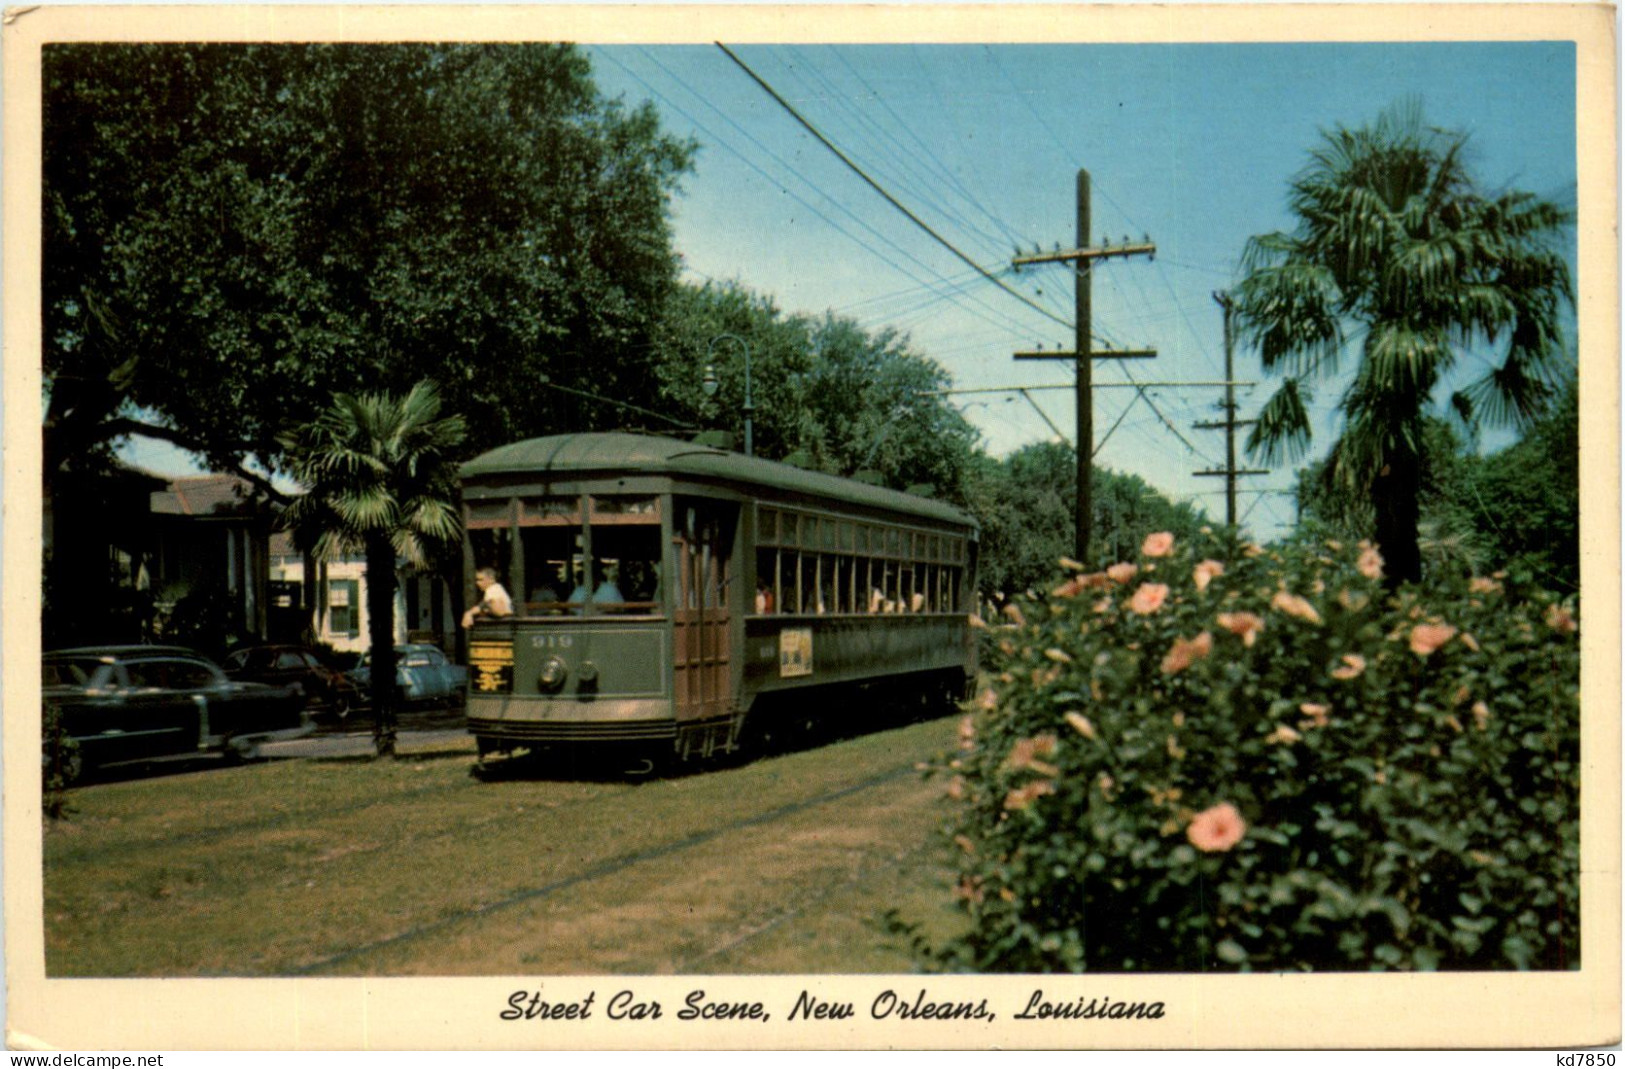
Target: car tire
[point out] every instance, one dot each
(242, 751)
(340, 707)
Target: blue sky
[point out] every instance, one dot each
(1191, 144)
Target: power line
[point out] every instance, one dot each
(802, 200)
(893, 201)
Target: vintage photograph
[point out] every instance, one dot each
(796, 532)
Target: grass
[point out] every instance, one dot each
(412, 867)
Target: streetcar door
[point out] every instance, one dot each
(703, 533)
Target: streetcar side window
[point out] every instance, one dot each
(813, 564)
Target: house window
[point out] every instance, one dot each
(344, 607)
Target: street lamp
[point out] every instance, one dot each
(709, 383)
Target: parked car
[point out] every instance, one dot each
(116, 704)
(325, 690)
(423, 672)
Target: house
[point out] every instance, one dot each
(199, 560)
(207, 556)
(424, 610)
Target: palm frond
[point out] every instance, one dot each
(1282, 433)
(1289, 312)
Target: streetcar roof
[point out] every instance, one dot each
(617, 452)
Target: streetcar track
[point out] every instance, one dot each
(691, 963)
(605, 868)
(280, 818)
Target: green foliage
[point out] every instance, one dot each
(232, 233)
(1025, 504)
(1396, 246)
(62, 764)
(1526, 499)
(1517, 509)
(1218, 758)
(381, 474)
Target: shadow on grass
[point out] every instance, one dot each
(413, 757)
(778, 725)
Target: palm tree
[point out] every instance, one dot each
(1396, 249)
(381, 477)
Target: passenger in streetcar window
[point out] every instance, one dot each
(608, 593)
(544, 597)
(764, 598)
(494, 601)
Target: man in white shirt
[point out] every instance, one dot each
(494, 601)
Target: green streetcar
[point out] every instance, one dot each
(664, 592)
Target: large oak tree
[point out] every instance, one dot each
(235, 232)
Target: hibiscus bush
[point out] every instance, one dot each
(1216, 757)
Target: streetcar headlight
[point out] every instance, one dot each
(588, 673)
(553, 674)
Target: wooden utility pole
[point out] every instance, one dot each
(1230, 422)
(1082, 258)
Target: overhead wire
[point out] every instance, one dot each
(934, 170)
(893, 201)
(800, 199)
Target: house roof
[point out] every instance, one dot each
(207, 495)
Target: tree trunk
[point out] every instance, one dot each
(381, 638)
(1395, 494)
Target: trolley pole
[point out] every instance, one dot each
(1082, 258)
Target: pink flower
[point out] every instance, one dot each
(1081, 724)
(1353, 664)
(1282, 734)
(1159, 544)
(1013, 613)
(1026, 753)
(1293, 605)
(1149, 598)
(1123, 572)
(1319, 715)
(1245, 624)
(1370, 562)
(1186, 652)
(1022, 797)
(1480, 585)
(1560, 620)
(967, 733)
(1206, 572)
(1217, 829)
(1425, 638)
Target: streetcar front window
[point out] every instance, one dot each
(609, 565)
